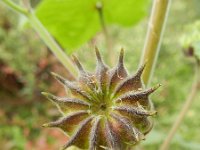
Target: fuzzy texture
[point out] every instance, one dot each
(104, 110)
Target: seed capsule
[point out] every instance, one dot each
(107, 109)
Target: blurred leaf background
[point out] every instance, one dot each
(25, 63)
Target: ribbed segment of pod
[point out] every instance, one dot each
(107, 109)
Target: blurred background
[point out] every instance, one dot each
(26, 63)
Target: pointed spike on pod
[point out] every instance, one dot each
(58, 77)
(45, 125)
(118, 73)
(74, 88)
(98, 55)
(45, 94)
(51, 124)
(48, 95)
(134, 111)
(77, 63)
(151, 90)
(51, 97)
(101, 72)
(149, 113)
(139, 95)
(152, 113)
(141, 69)
(100, 61)
(121, 56)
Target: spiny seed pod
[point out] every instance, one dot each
(104, 110)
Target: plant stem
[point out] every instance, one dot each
(50, 42)
(154, 36)
(108, 39)
(46, 37)
(16, 7)
(185, 108)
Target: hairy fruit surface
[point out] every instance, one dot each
(107, 109)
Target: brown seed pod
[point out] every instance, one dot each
(105, 110)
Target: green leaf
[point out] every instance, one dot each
(71, 22)
(125, 12)
(74, 22)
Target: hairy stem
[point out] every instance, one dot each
(154, 36)
(45, 36)
(184, 110)
(108, 39)
(16, 7)
(50, 42)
